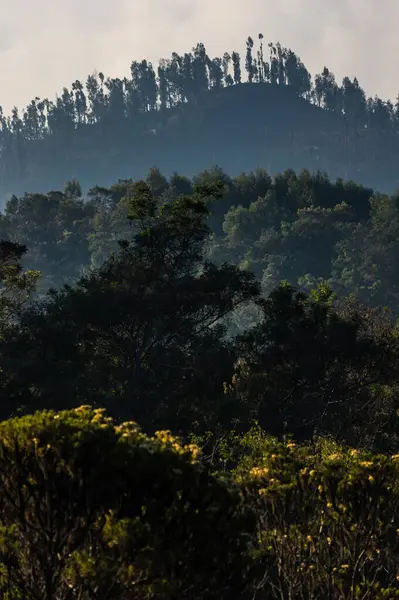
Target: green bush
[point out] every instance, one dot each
(90, 509)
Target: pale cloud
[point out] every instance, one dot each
(48, 44)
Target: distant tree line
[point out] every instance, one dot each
(107, 101)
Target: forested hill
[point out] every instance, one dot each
(261, 108)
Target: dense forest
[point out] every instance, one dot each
(302, 228)
(258, 107)
(199, 390)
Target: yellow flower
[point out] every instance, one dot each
(335, 456)
(259, 472)
(366, 463)
(309, 538)
(291, 445)
(371, 479)
(193, 449)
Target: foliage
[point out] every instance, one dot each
(313, 365)
(91, 509)
(156, 315)
(136, 335)
(327, 519)
(16, 285)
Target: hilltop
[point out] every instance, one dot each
(193, 112)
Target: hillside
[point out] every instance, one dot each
(266, 126)
(194, 112)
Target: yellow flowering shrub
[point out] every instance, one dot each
(328, 518)
(94, 509)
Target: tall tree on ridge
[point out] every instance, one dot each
(236, 59)
(249, 63)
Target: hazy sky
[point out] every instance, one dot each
(47, 44)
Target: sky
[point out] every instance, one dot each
(48, 44)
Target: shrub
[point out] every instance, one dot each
(90, 509)
(328, 519)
